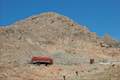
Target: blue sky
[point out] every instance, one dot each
(100, 16)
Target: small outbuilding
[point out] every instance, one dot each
(42, 60)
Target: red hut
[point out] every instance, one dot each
(42, 60)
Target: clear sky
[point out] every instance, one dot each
(100, 16)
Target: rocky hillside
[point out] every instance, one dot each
(54, 35)
(48, 32)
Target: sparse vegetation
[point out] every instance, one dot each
(109, 41)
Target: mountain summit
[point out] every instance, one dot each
(50, 26)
